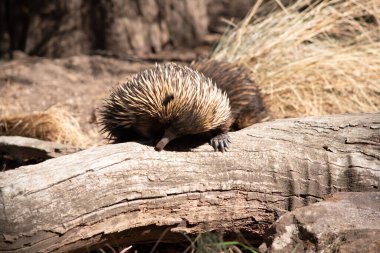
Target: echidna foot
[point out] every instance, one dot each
(220, 142)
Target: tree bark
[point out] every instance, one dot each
(127, 193)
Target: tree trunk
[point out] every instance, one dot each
(127, 193)
(65, 28)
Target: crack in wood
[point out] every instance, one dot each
(72, 177)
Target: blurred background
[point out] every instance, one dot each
(139, 27)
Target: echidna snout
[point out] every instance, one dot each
(166, 138)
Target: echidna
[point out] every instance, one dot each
(169, 101)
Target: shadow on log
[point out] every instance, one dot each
(128, 193)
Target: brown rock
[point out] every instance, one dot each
(345, 222)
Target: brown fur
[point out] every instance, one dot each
(247, 106)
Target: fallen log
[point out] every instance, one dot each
(128, 193)
(16, 151)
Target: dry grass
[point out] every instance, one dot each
(322, 60)
(55, 124)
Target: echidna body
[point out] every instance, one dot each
(247, 106)
(166, 102)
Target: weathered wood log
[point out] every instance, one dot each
(16, 151)
(128, 193)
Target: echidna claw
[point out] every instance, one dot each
(220, 142)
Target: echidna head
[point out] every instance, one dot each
(179, 99)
